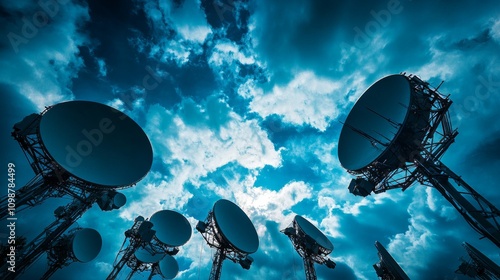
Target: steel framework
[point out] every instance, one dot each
(419, 160)
(478, 266)
(65, 217)
(139, 236)
(308, 249)
(224, 250)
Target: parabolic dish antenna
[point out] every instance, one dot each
(313, 232)
(168, 267)
(145, 256)
(235, 226)
(96, 143)
(379, 119)
(482, 259)
(172, 228)
(86, 244)
(119, 200)
(390, 263)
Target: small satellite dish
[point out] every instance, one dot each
(389, 263)
(482, 260)
(86, 244)
(381, 118)
(172, 228)
(168, 267)
(96, 143)
(235, 226)
(145, 256)
(119, 200)
(313, 232)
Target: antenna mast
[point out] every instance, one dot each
(310, 249)
(415, 152)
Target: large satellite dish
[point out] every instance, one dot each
(235, 226)
(380, 119)
(86, 244)
(229, 230)
(172, 228)
(168, 267)
(388, 267)
(96, 143)
(80, 149)
(396, 134)
(310, 230)
(145, 256)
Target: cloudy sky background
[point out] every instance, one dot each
(243, 101)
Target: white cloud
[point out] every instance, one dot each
(409, 247)
(306, 99)
(158, 192)
(226, 51)
(273, 205)
(194, 151)
(43, 66)
(495, 31)
(188, 21)
(331, 226)
(103, 267)
(103, 71)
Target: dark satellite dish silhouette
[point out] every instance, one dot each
(96, 143)
(387, 268)
(151, 244)
(80, 149)
(396, 134)
(80, 146)
(80, 245)
(229, 230)
(479, 266)
(311, 244)
(168, 267)
(166, 220)
(144, 256)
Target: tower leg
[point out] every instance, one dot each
(117, 267)
(43, 241)
(309, 269)
(483, 216)
(219, 257)
(32, 193)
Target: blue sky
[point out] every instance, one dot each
(243, 101)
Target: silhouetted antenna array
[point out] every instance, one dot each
(150, 245)
(478, 265)
(79, 149)
(387, 268)
(415, 118)
(229, 230)
(311, 244)
(79, 245)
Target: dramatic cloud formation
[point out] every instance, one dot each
(244, 100)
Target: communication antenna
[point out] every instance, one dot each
(77, 148)
(415, 118)
(79, 245)
(311, 244)
(81, 149)
(229, 230)
(478, 266)
(387, 268)
(151, 245)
